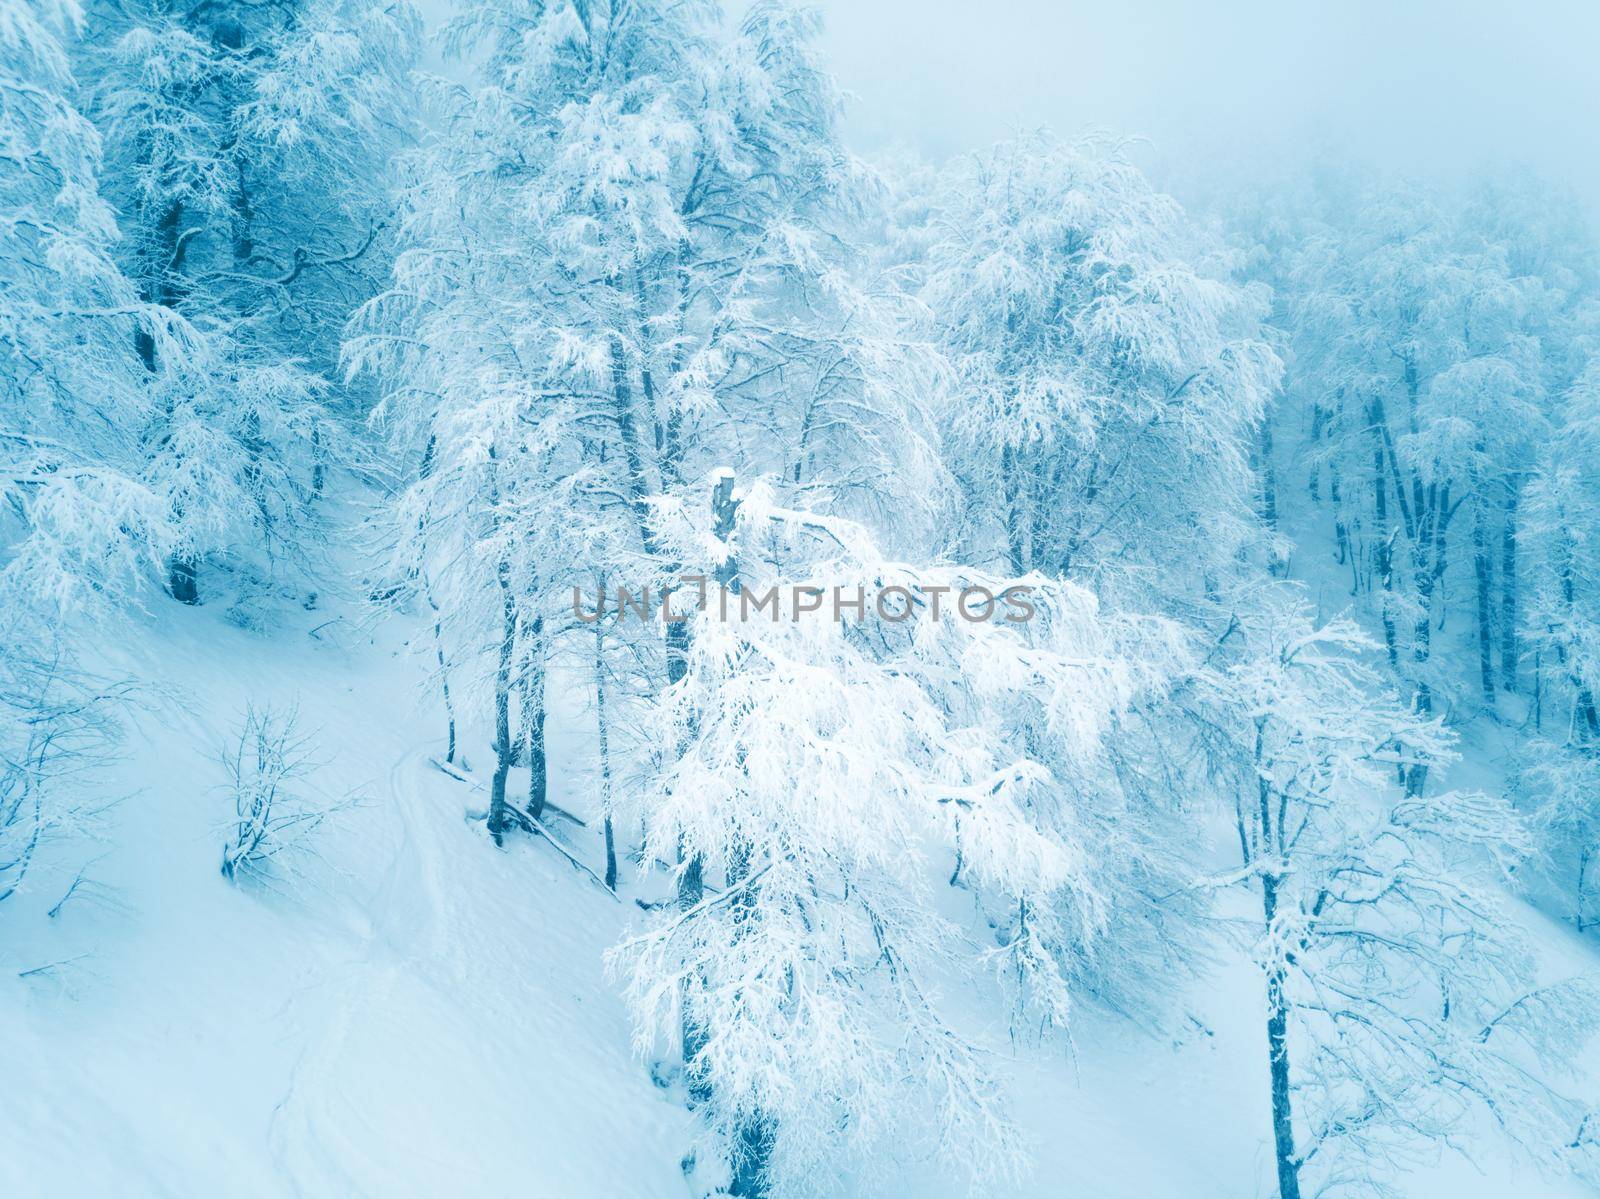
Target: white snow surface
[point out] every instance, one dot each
(426, 1016)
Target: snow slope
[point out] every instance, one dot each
(425, 1016)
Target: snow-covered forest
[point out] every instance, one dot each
(565, 632)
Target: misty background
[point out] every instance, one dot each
(1230, 91)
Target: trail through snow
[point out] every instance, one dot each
(314, 1109)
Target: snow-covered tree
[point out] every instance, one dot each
(622, 263)
(1106, 386)
(77, 529)
(1564, 508)
(78, 521)
(819, 780)
(1559, 768)
(248, 147)
(1398, 1007)
(1557, 781)
(1427, 336)
(1107, 389)
(627, 264)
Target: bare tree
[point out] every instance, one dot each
(266, 763)
(1397, 1002)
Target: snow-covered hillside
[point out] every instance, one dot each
(417, 1015)
(421, 1015)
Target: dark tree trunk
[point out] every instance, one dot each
(603, 739)
(183, 579)
(752, 1155)
(1278, 1059)
(1383, 546)
(1267, 481)
(499, 813)
(752, 1158)
(1011, 485)
(161, 287)
(318, 461)
(1583, 882)
(677, 650)
(636, 487)
(533, 713)
(1268, 474)
(1319, 417)
(1538, 691)
(444, 671)
(1432, 520)
(622, 411)
(243, 219)
(1341, 530)
(1585, 697)
(611, 854)
(1482, 566)
(1509, 651)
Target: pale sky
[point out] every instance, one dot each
(1422, 86)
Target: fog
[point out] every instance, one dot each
(1223, 89)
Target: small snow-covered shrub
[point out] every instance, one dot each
(267, 764)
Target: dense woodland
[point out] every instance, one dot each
(1303, 481)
